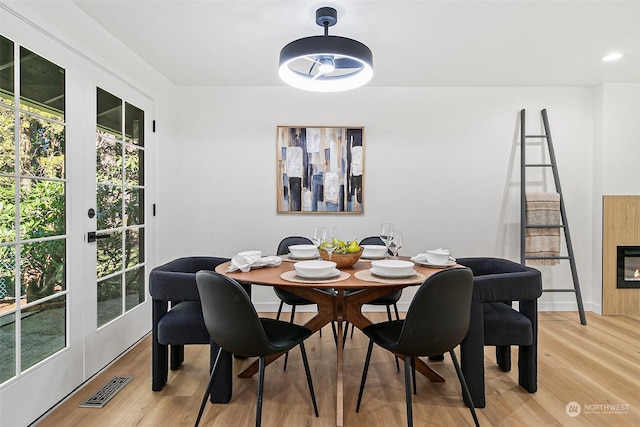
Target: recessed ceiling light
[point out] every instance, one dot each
(613, 56)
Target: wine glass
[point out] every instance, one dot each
(328, 236)
(385, 233)
(396, 242)
(318, 235)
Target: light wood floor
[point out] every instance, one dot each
(597, 366)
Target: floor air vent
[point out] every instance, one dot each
(102, 396)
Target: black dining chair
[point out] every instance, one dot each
(177, 321)
(389, 300)
(436, 322)
(234, 325)
(494, 322)
(287, 297)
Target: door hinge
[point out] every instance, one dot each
(153, 123)
(154, 209)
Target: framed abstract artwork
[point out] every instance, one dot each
(320, 169)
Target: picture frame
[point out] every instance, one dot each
(320, 169)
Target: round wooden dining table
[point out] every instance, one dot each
(337, 305)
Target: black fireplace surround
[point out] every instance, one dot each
(628, 267)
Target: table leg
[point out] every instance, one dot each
(355, 301)
(340, 378)
(323, 317)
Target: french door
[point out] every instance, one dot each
(117, 213)
(75, 168)
(37, 311)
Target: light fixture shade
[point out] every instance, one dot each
(306, 63)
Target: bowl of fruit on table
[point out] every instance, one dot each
(345, 254)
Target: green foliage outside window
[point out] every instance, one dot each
(41, 203)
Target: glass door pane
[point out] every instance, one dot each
(33, 239)
(120, 194)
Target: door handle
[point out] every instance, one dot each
(92, 236)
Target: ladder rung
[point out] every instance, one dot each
(548, 257)
(539, 165)
(545, 226)
(558, 290)
(536, 136)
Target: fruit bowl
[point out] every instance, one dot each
(342, 260)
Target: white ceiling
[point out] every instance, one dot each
(414, 43)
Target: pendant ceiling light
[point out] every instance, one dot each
(326, 63)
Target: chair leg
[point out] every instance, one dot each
(344, 335)
(160, 362)
(177, 356)
(503, 357)
(389, 317)
(214, 371)
(364, 374)
(309, 382)
(223, 387)
(413, 374)
(319, 330)
(286, 356)
(528, 367)
(261, 364)
(279, 310)
(335, 333)
(465, 389)
(395, 308)
(407, 388)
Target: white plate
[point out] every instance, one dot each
(397, 275)
(427, 264)
(331, 274)
(301, 258)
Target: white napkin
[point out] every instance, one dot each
(246, 263)
(419, 258)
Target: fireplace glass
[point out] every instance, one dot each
(628, 266)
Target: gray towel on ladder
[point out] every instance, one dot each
(543, 209)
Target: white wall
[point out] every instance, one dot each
(621, 138)
(442, 164)
(617, 150)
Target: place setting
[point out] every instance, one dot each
(435, 258)
(391, 240)
(391, 271)
(314, 271)
(301, 253)
(319, 267)
(304, 252)
(373, 252)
